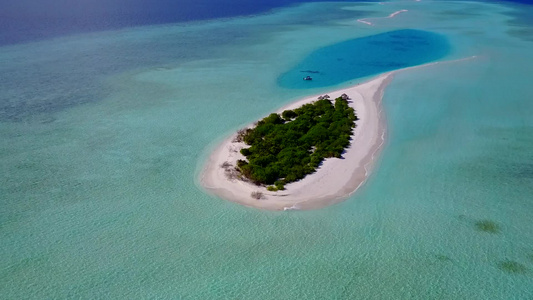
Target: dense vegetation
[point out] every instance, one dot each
(285, 148)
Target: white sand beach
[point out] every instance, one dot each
(335, 179)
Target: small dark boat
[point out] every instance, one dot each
(308, 78)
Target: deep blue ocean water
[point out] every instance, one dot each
(362, 57)
(26, 20)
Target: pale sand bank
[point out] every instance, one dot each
(336, 178)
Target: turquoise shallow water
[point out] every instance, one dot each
(103, 137)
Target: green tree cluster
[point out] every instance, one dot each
(285, 148)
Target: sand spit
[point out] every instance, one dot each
(334, 180)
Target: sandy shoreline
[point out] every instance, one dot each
(334, 181)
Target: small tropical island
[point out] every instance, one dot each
(309, 154)
(286, 147)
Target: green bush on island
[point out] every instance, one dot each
(285, 148)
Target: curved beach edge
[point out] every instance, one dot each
(334, 180)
